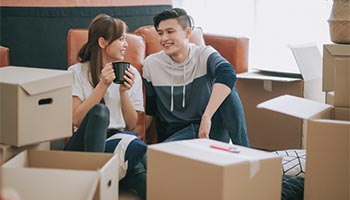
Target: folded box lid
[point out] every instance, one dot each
(308, 59)
(265, 75)
(34, 80)
(295, 106)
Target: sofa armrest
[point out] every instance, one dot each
(4, 56)
(234, 49)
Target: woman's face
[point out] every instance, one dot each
(116, 50)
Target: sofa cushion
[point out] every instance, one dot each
(293, 161)
(150, 37)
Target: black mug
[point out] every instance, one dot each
(119, 71)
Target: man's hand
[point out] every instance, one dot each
(204, 127)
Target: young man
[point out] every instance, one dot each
(190, 89)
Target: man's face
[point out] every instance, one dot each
(172, 37)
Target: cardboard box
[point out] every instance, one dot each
(35, 105)
(332, 52)
(341, 113)
(191, 169)
(273, 131)
(328, 146)
(57, 175)
(8, 151)
(342, 82)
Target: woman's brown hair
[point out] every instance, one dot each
(101, 26)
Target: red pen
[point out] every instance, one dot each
(228, 149)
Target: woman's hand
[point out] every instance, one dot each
(129, 79)
(107, 74)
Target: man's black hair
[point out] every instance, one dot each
(176, 13)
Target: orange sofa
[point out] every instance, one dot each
(4, 56)
(143, 42)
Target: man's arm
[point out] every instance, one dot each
(151, 106)
(219, 93)
(225, 78)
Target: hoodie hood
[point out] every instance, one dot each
(162, 71)
(180, 67)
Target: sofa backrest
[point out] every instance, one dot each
(135, 53)
(234, 48)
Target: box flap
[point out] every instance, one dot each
(271, 76)
(338, 49)
(308, 59)
(34, 80)
(295, 106)
(63, 159)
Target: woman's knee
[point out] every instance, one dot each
(99, 111)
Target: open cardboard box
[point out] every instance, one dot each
(340, 113)
(327, 146)
(35, 105)
(191, 169)
(273, 131)
(58, 175)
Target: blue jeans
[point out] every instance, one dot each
(92, 132)
(189, 132)
(228, 123)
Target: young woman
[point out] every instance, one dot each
(105, 113)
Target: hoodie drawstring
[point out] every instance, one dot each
(184, 89)
(172, 90)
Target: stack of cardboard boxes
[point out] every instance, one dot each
(273, 131)
(327, 126)
(35, 108)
